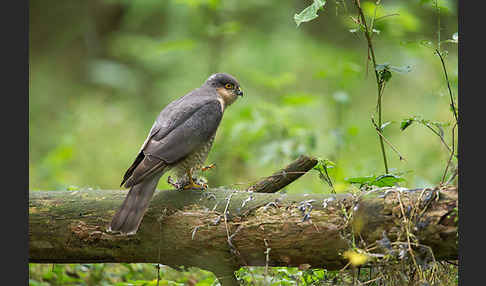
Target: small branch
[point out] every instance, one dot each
(452, 177)
(389, 15)
(448, 85)
(388, 142)
(450, 158)
(379, 83)
(267, 258)
(440, 136)
(285, 176)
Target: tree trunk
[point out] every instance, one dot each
(189, 227)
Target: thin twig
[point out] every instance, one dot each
(225, 216)
(450, 157)
(450, 262)
(452, 177)
(448, 85)
(438, 23)
(389, 15)
(438, 134)
(378, 81)
(370, 281)
(388, 142)
(406, 224)
(267, 252)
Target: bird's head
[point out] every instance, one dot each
(226, 86)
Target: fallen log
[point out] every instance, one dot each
(190, 227)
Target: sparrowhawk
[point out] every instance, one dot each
(180, 139)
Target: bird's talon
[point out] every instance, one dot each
(209, 167)
(193, 186)
(171, 182)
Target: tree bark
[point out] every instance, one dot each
(189, 227)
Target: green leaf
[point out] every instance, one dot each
(385, 125)
(72, 188)
(387, 180)
(404, 69)
(439, 127)
(382, 67)
(406, 122)
(388, 67)
(361, 180)
(386, 75)
(427, 43)
(454, 40)
(455, 37)
(324, 163)
(310, 12)
(425, 122)
(322, 166)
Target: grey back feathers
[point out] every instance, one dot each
(199, 126)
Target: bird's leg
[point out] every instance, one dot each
(192, 184)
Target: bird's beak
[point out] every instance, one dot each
(239, 92)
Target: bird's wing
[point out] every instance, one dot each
(188, 136)
(175, 135)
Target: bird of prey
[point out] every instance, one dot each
(180, 139)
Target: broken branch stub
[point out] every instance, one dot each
(285, 176)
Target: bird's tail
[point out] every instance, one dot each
(128, 218)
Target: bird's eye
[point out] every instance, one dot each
(228, 86)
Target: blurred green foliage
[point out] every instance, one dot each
(139, 274)
(101, 71)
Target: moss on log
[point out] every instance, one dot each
(189, 227)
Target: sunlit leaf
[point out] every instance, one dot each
(385, 70)
(455, 37)
(385, 125)
(454, 40)
(403, 69)
(309, 13)
(382, 67)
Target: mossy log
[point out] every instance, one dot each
(189, 227)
